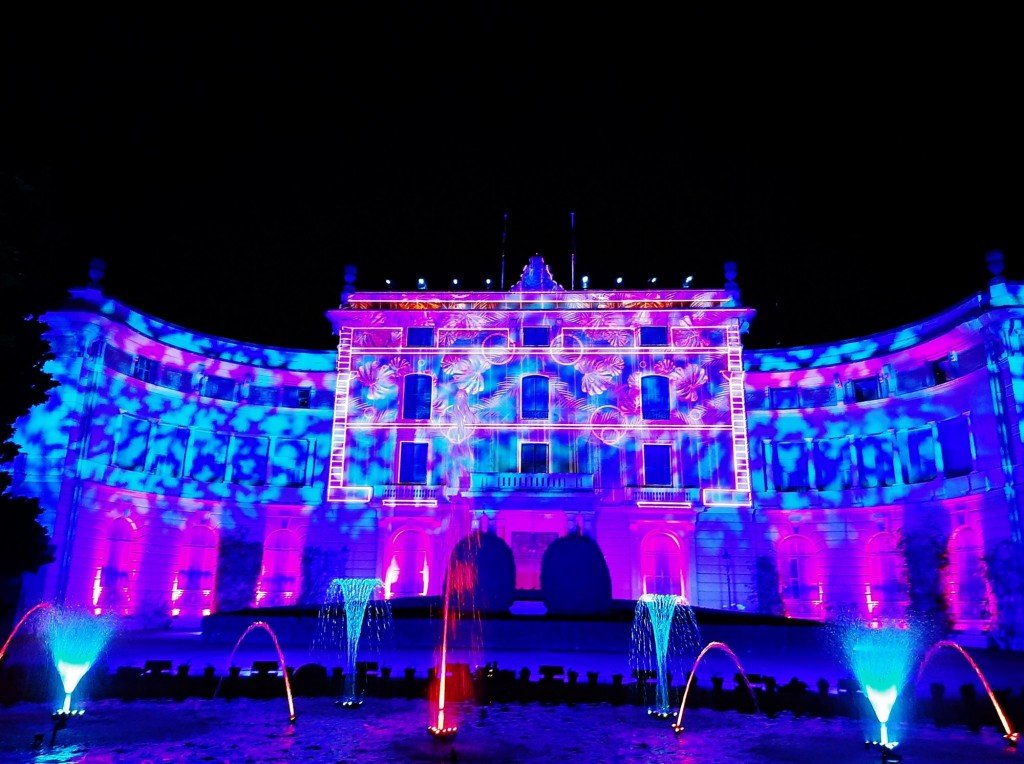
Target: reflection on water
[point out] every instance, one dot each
(391, 731)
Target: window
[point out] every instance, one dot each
(146, 369)
(801, 588)
(220, 387)
(193, 593)
(168, 452)
(118, 360)
(408, 574)
(791, 466)
(289, 465)
(132, 442)
(661, 565)
(966, 582)
(420, 337)
(207, 456)
(886, 589)
(874, 459)
(281, 575)
(654, 399)
(535, 397)
(528, 552)
(412, 462)
(416, 404)
(533, 457)
(536, 336)
(955, 446)
(942, 370)
(113, 589)
(653, 335)
(833, 465)
(657, 464)
(785, 397)
(263, 396)
(175, 379)
(865, 389)
(249, 460)
(920, 461)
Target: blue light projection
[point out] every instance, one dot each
(763, 479)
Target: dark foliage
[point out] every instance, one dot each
(482, 573)
(574, 577)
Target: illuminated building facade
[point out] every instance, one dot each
(182, 474)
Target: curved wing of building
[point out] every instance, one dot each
(874, 477)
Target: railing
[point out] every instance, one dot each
(673, 495)
(531, 481)
(409, 492)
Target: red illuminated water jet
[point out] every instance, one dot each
(31, 610)
(1009, 733)
(280, 655)
(678, 726)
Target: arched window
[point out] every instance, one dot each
(885, 590)
(801, 578)
(966, 587)
(408, 572)
(417, 400)
(193, 590)
(112, 589)
(282, 566)
(661, 565)
(655, 402)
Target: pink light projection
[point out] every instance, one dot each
(180, 474)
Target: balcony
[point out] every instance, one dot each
(670, 497)
(532, 482)
(394, 495)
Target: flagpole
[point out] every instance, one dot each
(572, 267)
(504, 235)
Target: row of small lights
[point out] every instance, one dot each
(421, 283)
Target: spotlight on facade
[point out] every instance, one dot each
(421, 283)
(652, 280)
(387, 281)
(686, 281)
(455, 282)
(488, 283)
(618, 280)
(586, 282)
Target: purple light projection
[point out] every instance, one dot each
(180, 474)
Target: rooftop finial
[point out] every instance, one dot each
(97, 267)
(730, 282)
(995, 266)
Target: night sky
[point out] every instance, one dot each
(229, 163)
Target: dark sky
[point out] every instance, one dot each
(228, 163)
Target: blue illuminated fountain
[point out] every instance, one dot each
(881, 659)
(664, 634)
(75, 639)
(353, 611)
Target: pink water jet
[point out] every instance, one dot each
(678, 726)
(1009, 733)
(280, 656)
(31, 610)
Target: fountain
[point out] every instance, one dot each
(663, 628)
(1009, 733)
(721, 646)
(351, 613)
(75, 639)
(880, 659)
(280, 656)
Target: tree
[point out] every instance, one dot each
(574, 577)
(24, 543)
